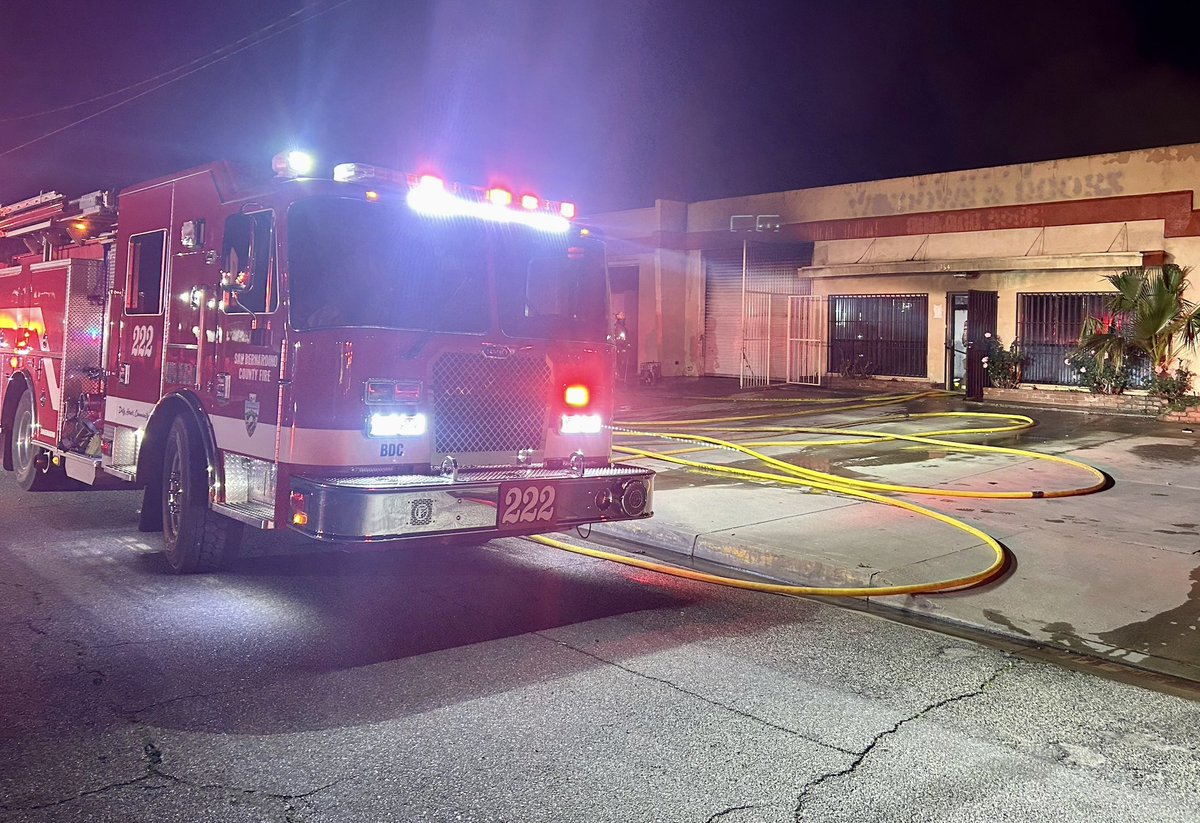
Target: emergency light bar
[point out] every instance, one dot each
(293, 164)
(431, 196)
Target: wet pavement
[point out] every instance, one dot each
(1113, 576)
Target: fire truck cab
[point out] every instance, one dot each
(374, 357)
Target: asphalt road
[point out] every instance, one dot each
(509, 682)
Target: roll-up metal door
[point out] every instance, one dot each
(723, 312)
(770, 268)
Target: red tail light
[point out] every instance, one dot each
(499, 197)
(577, 396)
(530, 202)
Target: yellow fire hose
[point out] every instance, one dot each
(862, 404)
(863, 489)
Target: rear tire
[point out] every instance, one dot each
(25, 452)
(195, 538)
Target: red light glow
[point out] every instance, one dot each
(499, 197)
(567, 210)
(530, 202)
(577, 396)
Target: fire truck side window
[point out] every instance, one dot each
(249, 256)
(144, 295)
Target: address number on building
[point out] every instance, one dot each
(524, 503)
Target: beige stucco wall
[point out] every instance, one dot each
(1052, 240)
(1147, 171)
(663, 282)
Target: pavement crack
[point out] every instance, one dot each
(154, 759)
(157, 772)
(121, 784)
(860, 757)
(714, 818)
(170, 700)
(125, 643)
(715, 703)
(154, 771)
(30, 624)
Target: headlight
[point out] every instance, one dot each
(581, 424)
(393, 424)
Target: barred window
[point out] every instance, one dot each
(879, 334)
(1048, 328)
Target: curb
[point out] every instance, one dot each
(771, 566)
(764, 563)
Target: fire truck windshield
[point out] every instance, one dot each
(358, 263)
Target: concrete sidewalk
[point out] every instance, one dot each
(1113, 575)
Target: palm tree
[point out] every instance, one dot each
(1147, 313)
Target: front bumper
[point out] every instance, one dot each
(486, 500)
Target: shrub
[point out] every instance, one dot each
(1174, 388)
(1004, 366)
(1146, 313)
(1102, 376)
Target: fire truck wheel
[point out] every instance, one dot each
(196, 538)
(27, 456)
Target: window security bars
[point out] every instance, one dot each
(886, 334)
(1048, 329)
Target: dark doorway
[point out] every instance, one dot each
(981, 329)
(623, 283)
(956, 341)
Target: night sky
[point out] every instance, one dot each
(612, 103)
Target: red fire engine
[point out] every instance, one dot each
(379, 356)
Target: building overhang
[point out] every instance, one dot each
(1046, 262)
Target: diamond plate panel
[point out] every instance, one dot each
(486, 404)
(82, 365)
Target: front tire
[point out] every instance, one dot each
(195, 538)
(25, 452)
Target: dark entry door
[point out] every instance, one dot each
(956, 341)
(981, 328)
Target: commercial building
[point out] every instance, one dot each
(893, 277)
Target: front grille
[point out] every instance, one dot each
(483, 404)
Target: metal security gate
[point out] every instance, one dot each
(807, 351)
(756, 340)
(981, 329)
(745, 311)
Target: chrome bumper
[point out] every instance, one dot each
(486, 501)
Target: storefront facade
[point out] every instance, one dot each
(906, 270)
